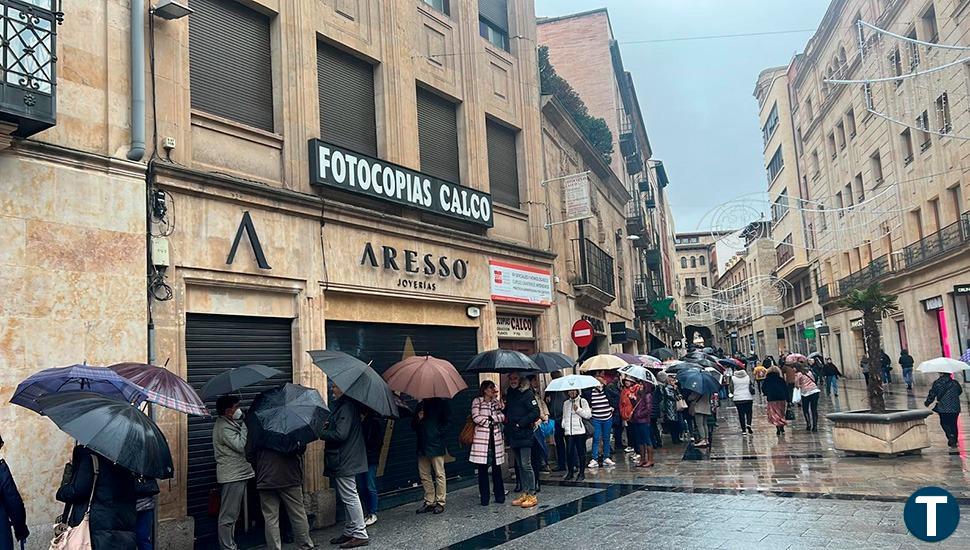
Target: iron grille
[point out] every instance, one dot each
(28, 58)
(596, 267)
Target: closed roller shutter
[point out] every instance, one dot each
(496, 12)
(346, 87)
(384, 345)
(503, 165)
(214, 344)
(230, 62)
(438, 136)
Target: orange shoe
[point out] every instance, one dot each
(530, 502)
(520, 500)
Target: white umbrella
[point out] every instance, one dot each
(603, 361)
(573, 382)
(640, 373)
(943, 364)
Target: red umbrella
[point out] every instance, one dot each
(423, 377)
(163, 387)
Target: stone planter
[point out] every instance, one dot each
(890, 434)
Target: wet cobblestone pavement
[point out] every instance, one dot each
(757, 491)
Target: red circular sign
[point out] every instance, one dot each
(582, 333)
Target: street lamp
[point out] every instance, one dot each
(171, 9)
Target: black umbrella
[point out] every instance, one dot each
(288, 418)
(357, 380)
(552, 361)
(114, 429)
(698, 381)
(502, 361)
(700, 361)
(663, 353)
(236, 379)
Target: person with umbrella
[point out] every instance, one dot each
(806, 382)
(521, 415)
(946, 392)
(488, 443)
(640, 419)
(345, 457)
(671, 417)
(430, 422)
(233, 471)
(604, 400)
(12, 512)
(374, 427)
(776, 392)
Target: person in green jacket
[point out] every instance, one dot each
(232, 470)
(430, 421)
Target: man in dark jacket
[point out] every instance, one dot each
(946, 392)
(521, 415)
(832, 375)
(887, 364)
(112, 519)
(345, 457)
(906, 364)
(279, 478)
(12, 512)
(430, 421)
(555, 401)
(374, 427)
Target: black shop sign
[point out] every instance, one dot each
(414, 264)
(352, 172)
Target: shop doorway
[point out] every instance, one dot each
(527, 347)
(214, 344)
(382, 345)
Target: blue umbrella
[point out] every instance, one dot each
(698, 381)
(98, 380)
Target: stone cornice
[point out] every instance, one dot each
(74, 158)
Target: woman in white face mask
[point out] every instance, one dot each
(232, 469)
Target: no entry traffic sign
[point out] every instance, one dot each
(582, 333)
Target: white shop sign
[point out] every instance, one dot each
(515, 328)
(575, 190)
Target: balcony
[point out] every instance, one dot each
(28, 32)
(595, 282)
(784, 253)
(634, 220)
(875, 271)
(645, 293)
(653, 257)
(944, 241)
(634, 163)
(628, 144)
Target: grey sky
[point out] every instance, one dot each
(696, 95)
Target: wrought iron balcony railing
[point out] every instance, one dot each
(595, 269)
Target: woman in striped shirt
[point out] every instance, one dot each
(602, 420)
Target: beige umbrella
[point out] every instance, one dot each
(423, 377)
(602, 362)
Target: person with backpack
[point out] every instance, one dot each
(946, 392)
(760, 371)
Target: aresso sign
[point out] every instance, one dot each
(353, 172)
(412, 264)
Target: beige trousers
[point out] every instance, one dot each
(434, 488)
(292, 499)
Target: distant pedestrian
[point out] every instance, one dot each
(374, 427)
(279, 480)
(345, 456)
(12, 512)
(864, 365)
(768, 362)
(109, 491)
(887, 364)
(776, 392)
(554, 401)
(233, 471)
(699, 407)
(540, 450)
(521, 415)
(760, 372)
(430, 421)
(805, 381)
(488, 446)
(656, 410)
(575, 410)
(832, 375)
(906, 364)
(641, 418)
(603, 402)
(671, 417)
(946, 392)
(742, 393)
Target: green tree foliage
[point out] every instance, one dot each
(595, 129)
(874, 304)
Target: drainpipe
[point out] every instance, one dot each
(137, 150)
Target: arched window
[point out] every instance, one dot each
(693, 261)
(683, 261)
(702, 260)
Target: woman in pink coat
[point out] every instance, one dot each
(488, 447)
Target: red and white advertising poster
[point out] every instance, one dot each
(520, 283)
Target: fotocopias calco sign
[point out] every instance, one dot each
(352, 172)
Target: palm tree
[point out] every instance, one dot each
(874, 304)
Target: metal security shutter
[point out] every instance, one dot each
(230, 63)
(503, 165)
(496, 12)
(214, 344)
(346, 87)
(384, 345)
(438, 136)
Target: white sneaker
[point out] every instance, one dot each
(635, 457)
(628, 450)
(370, 520)
(593, 464)
(609, 462)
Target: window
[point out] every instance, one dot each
(901, 330)
(346, 95)
(906, 142)
(850, 122)
(860, 190)
(230, 65)
(493, 22)
(807, 288)
(956, 199)
(771, 124)
(875, 162)
(776, 164)
(683, 262)
(896, 61)
(808, 109)
(816, 168)
(913, 51)
(704, 281)
(438, 136)
(690, 285)
(840, 203)
(503, 168)
(929, 30)
(780, 207)
(923, 123)
(943, 114)
(832, 148)
(803, 190)
(441, 5)
(784, 251)
(799, 143)
(849, 201)
(693, 261)
(840, 133)
(821, 216)
(702, 261)
(867, 96)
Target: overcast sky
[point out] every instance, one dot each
(697, 95)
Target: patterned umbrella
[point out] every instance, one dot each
(99, 380)
(163, 387)
(424, 377)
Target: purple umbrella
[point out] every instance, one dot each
(163, 387)
(99, 380)
(629, 358)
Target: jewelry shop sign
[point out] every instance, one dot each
(520, 283)
(351, 172)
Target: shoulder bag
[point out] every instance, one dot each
(467, 435)
(79, 536)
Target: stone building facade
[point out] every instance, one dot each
(695, 272)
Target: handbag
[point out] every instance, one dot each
(796, 395)
(681, 404)
(215, 502)
(79, 536)
(589, 427)
(789, 414)
(548, 428)
(467, 435)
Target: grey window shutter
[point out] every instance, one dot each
(438, 136)
(346, 87)
(503, 173)
(230, 60)
(496, 12)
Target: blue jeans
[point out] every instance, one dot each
(602, 430)
(144, 522)
(886, 379)
(908, 376)
(832, 384)
(367, 486)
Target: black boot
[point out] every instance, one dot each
(569, 476)
(582, 475)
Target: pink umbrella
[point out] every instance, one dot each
(424, 377)
(796, 357)
(163, 387)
